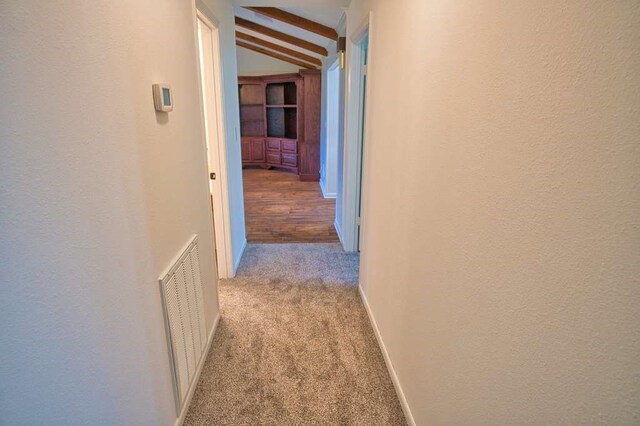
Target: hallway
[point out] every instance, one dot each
(479, 264)
(294, 345)
(280, 208)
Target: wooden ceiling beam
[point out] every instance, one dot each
(279, 48)
(275, 55)
(281, 36)
(296, 21)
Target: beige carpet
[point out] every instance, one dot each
(294, 345)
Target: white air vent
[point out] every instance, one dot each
(181, 289)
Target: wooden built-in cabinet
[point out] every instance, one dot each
(280, 122)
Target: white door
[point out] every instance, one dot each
(207, 43)
(361, 138)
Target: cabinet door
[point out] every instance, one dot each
(273, 157)
(246, 151)
(257, 150)
(273, 144)
(289, 145)
(289, 160)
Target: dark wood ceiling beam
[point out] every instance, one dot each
(297, 21)
(275, 55)
(281, 36)
(279, 48)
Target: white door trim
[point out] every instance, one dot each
(352, 130)
(220, 216)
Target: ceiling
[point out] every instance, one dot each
(325, 12)
(293, 3)
(329, 16)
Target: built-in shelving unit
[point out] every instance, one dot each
(271, 128)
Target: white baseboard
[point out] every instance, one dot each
(326, 194)
(237, 261)
(338, 231)
(392, 372)
(185, 408)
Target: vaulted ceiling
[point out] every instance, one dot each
(298, 35)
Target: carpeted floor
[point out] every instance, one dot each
(294, 345)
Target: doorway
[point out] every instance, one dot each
(281, 148)
(212, 110)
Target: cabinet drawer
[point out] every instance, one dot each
(273, 144)
(273, 157)
(289, 160)
(290, 146)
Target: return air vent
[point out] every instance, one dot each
(183, 303)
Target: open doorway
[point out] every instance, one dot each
(281, 90)
(280, 139)
(210, 84)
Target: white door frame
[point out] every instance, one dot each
(216, 148)
(353, 129)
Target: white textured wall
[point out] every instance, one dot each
(98, 195)
(329, 130)
(340, 156)
(502, 240)
(253, 63)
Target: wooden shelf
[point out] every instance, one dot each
(252, 105)
(282, 106)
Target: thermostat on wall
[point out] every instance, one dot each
(162, 97)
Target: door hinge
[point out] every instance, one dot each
(358, 220)
(364, 69)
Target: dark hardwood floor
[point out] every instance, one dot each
(279, 208)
